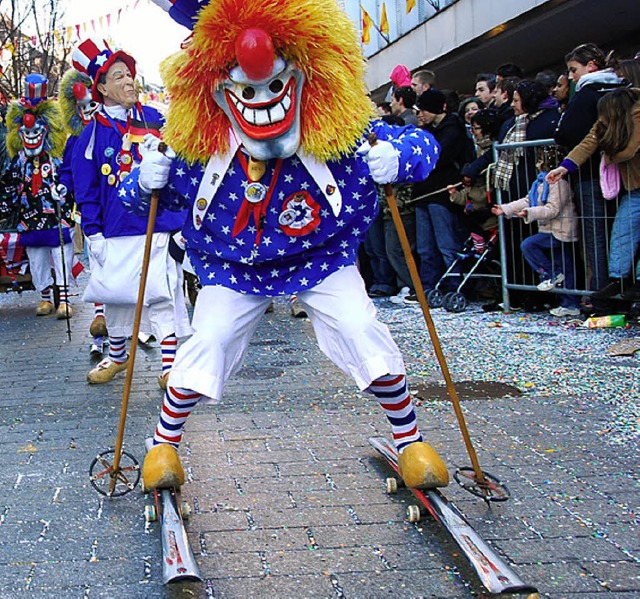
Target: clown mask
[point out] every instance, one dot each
(261, 97)
(85, 105)
(33, 134)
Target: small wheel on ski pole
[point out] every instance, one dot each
(101, 473)
(435, 298)
(490, 489)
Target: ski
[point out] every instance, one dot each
(178, 560)
(494, 573)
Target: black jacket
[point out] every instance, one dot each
(578, 118)
(455, 150)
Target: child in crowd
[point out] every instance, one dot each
(616, 134)
(475, 196)
(551, 251)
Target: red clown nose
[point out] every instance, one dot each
(255, 53)
(29, 120)
(79, 90)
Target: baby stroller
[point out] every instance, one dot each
(479, 259)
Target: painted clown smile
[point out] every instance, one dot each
(33, 140)
(265, 120)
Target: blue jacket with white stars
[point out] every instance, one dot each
(300, 223)
(95, 168)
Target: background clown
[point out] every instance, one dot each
(268, 105)
(35, 142)
(78, 109)
(106, 151)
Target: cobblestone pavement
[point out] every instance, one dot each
(289, 499)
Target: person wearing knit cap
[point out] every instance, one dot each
(106, 152)
(35, 142)
(267, 105)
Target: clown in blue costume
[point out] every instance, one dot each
(104, 155)
(278, 203)
(78, 109)
(32, 184)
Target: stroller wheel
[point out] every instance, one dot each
(455, 302)
(435, 298)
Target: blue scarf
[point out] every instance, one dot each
(533, 193)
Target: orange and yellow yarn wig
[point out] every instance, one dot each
(315, 34)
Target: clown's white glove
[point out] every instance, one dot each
(59, 193)
(98, 247)
(155, 165)
(382, 160)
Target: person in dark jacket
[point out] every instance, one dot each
(588, 69)
(439, 234)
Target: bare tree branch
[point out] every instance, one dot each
(31, 40)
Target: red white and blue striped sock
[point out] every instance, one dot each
(64, 294)
(393, 395)
(117, 349)
(176, 407)
(47, 295)
(168, 347)
(98, 310)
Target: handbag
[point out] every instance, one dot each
(117, 280)
(609, 178)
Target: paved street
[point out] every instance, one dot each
(289, 499)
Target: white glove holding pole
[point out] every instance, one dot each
(155, 165)
(382, 159)
(98, 248)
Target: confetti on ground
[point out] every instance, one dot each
(539, 354)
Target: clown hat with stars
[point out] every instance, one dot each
(94, 57)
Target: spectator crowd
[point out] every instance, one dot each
(554, 154)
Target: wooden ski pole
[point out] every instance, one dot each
(151, 223)
(433, 334)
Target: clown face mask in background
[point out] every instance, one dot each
(33, 134)
(261, 97)
(86, 106)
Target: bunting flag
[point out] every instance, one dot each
(367, 23)
(65, 35)
(384, 22)
(411, 4)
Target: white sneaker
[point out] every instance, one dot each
(549, 284)
(562, 311)
(399, 299)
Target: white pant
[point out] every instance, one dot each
(42, 259)
(161, 318)
(343, 317)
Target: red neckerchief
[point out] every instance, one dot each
(258, 209)
(107, 121)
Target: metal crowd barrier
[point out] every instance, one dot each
(591, 252)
